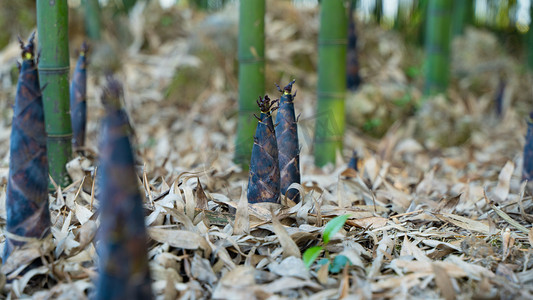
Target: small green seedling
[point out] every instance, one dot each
(333, 226)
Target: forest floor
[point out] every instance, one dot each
(437, 208)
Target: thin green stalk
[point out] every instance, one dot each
(201, 4)
(438, 33)
(378, 11)
(461, 9)
(251, 73)
(92, 19)
(52, 26)
(420, 14)
(329, 128)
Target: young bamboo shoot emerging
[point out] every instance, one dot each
(288, 146)
(498, 99)
(27, 185)
(264, 181)
(78, 100)
(354, 161)
(122, 235)
(527, 169)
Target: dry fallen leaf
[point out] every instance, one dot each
(444, 282)
(242, 218)
(180, 239)
(289, 246)
(504, 181)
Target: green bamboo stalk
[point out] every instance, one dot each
(401, 17)
(378, 11)
(92, 19)
(419, 14)
(461, 18)
(128, 4)
(201, 4)
(437, 45)
(332, 40)
(251, 73)
(52, 26)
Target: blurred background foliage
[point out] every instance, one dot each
(501, 16)
(487, 35)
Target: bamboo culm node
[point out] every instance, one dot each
(27, 186)
(123, 252)
(264, 178)
(288, 145)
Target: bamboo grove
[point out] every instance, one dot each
(50, 114)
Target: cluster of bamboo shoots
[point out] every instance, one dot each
(275, 162)
(123, 260)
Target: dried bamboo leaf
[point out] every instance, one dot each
(287, 243)
(242, 217)
(509, 220)
(383, 245)
(369, 222)
(464, 223)
(504, 181)
(290, 267)
(201, 198)
(20, 258)
(444, 282)
(287, 283)
(180, 239)
(23, 281)
(190, 203)
(411, 249)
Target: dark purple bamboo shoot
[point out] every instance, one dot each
(498, 99)
(264, 181)
(527, 170)
(354, 161)
(27, 185)
(78, 100)
(353, 80)
(123, 253)
(288, 146)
